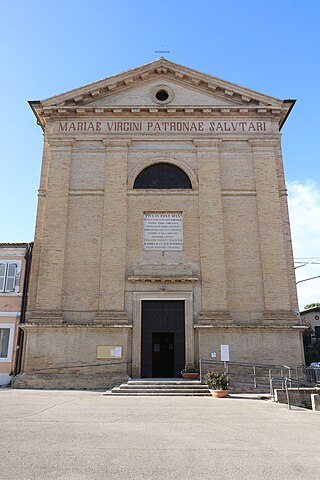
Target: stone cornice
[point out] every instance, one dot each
(263, 142)
(161, 70)
(53, 327)
(60, 143)
(248, 327)
(116, 144)
(238, 193)
(82, 192)
(73, 111)
(162, 279)
(207, 143)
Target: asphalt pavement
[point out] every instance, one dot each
(81, 435)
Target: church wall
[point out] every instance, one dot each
(51, 349)
(270, 224)
(138, 258)
(286, 230)
(253, 345)
(88, 167)
(244, 276)
(90, 270)
(236, 165)
(36, 254)
(82, 258)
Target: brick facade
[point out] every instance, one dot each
(90, 271)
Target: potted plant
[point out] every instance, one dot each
(190, 372)
(217, 383)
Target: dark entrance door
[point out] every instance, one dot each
(162, 338)
(162, 354)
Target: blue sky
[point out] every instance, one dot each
(49, 47)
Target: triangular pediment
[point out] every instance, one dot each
(143, 95)
(162, 71)
(135, 89)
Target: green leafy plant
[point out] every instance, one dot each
(311, 305)
(216, 380)
(190, 368)
(312, 352)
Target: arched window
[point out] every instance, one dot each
(162, 175)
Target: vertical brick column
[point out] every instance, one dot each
(36, 252)
(114, 232)
(50, 243)
(271, 231)
(287, 232)
(212, 257)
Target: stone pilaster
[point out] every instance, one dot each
(114, 232)
(212, 256)
(287, 231)
(272, 243)
(36, 252)
(51, 246)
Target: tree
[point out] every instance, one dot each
(311, 305)
(312, 354)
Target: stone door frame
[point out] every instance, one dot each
(138, 297)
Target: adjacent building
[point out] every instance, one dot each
(13, 263)
(162, 230)
(311, 318)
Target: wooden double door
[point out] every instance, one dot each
(162, 338)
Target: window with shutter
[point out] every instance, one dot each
(3, 268)
(9, 275)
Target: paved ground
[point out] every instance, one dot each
(83, 435)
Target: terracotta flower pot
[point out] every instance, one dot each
(219, 393)
(190, 375)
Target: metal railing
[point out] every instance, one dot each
(313, 374)
(242, 373)
(285, 380)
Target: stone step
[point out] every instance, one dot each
(175, 382)
(159, 390)
(154, 387)
(163, 386)
(156, 394)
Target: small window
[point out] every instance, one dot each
(162, 95)
(9, 271)
(162, 176)
(4, 342)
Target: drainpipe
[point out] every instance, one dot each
(19, 348)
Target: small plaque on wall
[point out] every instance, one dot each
(109, 351)
(163, 231)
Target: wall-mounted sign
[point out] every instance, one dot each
(109, 351)
(163, 231)
(225, 354)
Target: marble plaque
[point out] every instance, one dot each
(163, 231)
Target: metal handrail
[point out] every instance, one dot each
(286, 380)
(252, 366)
(275, 365)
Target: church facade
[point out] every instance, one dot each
(162, 231)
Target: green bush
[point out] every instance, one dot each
(216, 380)
(190, 368)
(312, 353)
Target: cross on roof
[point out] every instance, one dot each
(162, 50)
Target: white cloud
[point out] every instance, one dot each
(304, 209)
